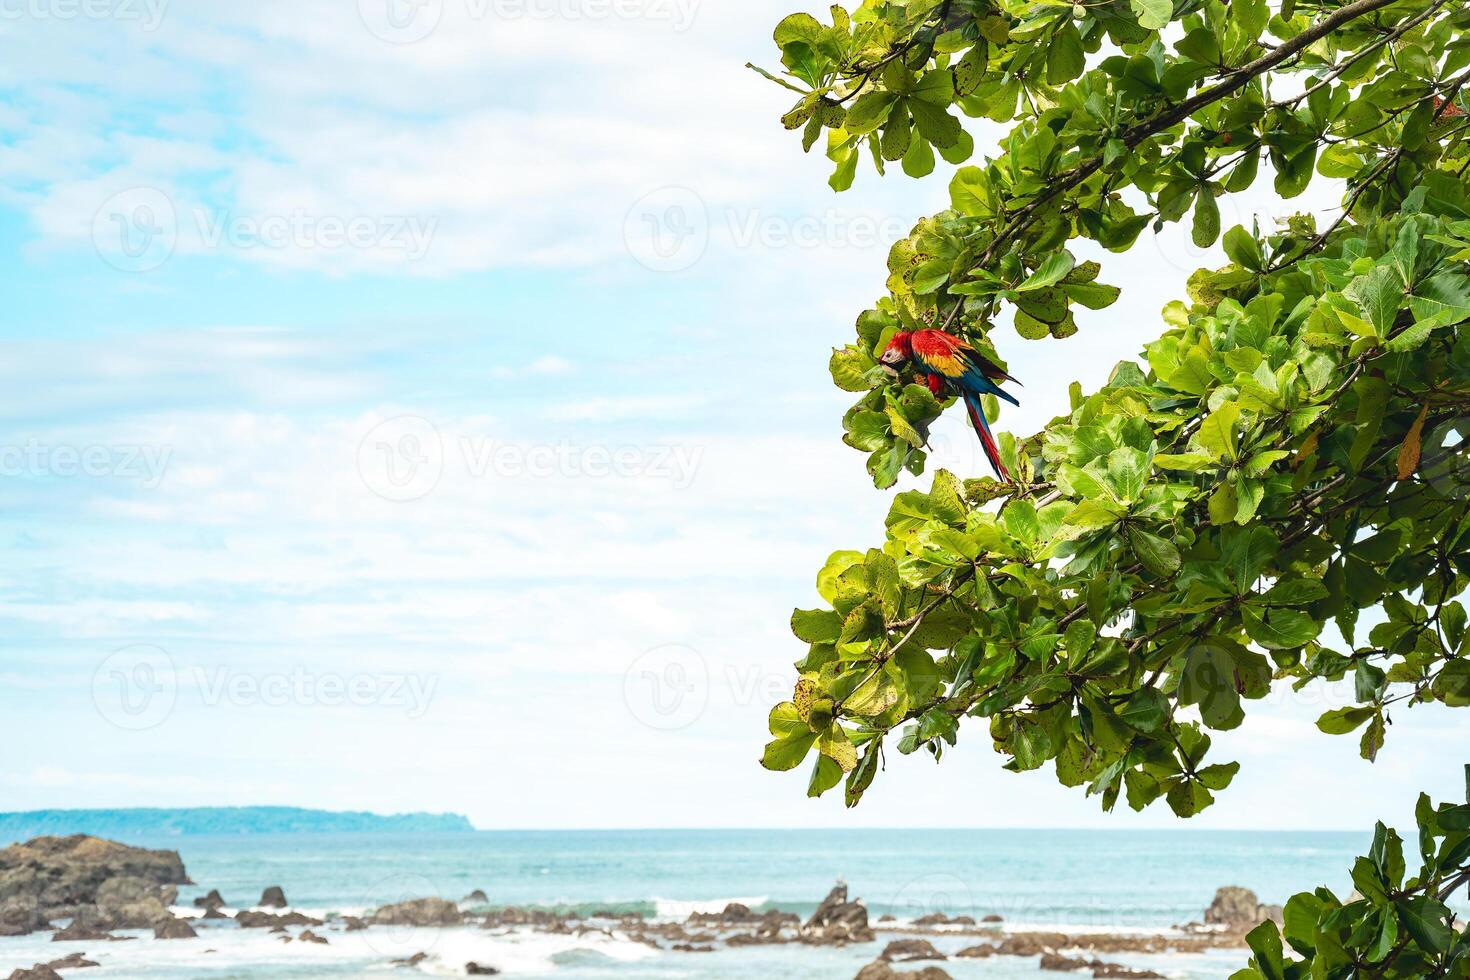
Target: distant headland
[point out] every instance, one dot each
(131, 823)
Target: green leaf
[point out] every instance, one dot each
(1156, 553)
(1340, 721)
(1152, 14)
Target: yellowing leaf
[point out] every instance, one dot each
(1413, 444)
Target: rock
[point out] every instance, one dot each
(419, 912)
(20, 917)
(992, 918)
(691, 948)
(413, 960)
(1032, 943)
(38, 972)
(174, 928)
(56, 876)
(307, 936)
(251, 919)
(213, 914)
(838, 921)
(474, 969)
(476, 897)
(932, 919)
(353, 924)
(907, 950)
(1060, 963)
(886, 918)
(1239, 910)
(273, 898)
(211, 901)
(1114, 971)
(130, 902)
(878, 970)
(72, 961)
(976, 952)
(86, 926)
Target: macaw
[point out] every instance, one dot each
(948, 363)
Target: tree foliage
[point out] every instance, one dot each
(1275, 493)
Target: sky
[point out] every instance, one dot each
(422, 405)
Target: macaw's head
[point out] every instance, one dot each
(900, 351)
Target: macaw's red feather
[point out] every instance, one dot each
(987, 440)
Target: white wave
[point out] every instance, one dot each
(521, 952)
(668, 908)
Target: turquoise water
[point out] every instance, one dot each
(1079, 880)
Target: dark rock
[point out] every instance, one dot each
(691, 948)
(838, 921)
(413, 960)
(353, 924)
(88, 925)
(1060, 963)
(1033, 943)
(174, 928)
(992, 918)
(211, 901)
(419, 912)
(38, 972)
(130, 902)
(72, 961)
(20, 917)
(878, 970)
(273, 898)
(979, 952)
(476, 897)
(907, 950)
(56, 876)
(251, 919)
(474, 969)
(307, 936)
(1239, 910)
(210, 914)
(1114, 971)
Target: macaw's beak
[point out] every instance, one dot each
(891, 361)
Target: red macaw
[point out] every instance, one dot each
(946, 363)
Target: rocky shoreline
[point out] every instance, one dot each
(85, 889)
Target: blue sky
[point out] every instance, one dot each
(451, 430)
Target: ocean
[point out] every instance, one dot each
(1070, 881)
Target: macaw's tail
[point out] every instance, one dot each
(987, 439)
